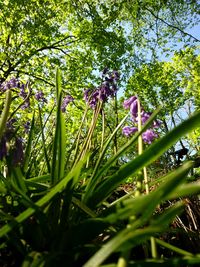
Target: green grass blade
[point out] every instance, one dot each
(43, 141)
(29, 145)
(5, 112)
(58, 159)
(18, 180)
(83, 207)
(62, 146)
(34, 259)
(59, 187)
(43, 178)
(183, 261)
(185, 190)
(173, 248)
(35, 185)
(168, 215)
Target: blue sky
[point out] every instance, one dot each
(195, 31)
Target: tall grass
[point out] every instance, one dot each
(66, 217)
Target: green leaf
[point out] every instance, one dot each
(18, 180)
(59, 144)
(185, 190)
(43, 141)
(42, 178)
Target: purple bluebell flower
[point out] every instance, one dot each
(107, 89)
(128, 131)
(148, 136)
(156, 124)
(18, 153)
(87, 94)
(27, 126)
(91, 97)
(102, 94)
(9, 124)
(12, 83)
(134, 108)
(105, 92)
(127, 103)
(66, 101)
(114, 88)
(93, 100)
(22, 92)
(109, 79)
(39, 96)
(26, 104)
(144, 117)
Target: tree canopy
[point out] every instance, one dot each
(83, 36)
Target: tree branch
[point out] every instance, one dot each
(47, 47)
(36, 77)
(172, 26)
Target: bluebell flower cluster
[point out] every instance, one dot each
(25, 96)
(18, 152)
(27, 126)
(12, 83)
(127, 130)
(11, 146)
(65, 102)
(22, 88)
(39, 96)
(107, 89)
(149, 135)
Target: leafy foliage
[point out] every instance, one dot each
(64, 162)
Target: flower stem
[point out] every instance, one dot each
(154, 252)
(5, 112)
(140, 150)
(90, 132)
(103, 129)
(123, 259)
(140, 145)
(171, 247)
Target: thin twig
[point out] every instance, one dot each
(172, 26)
